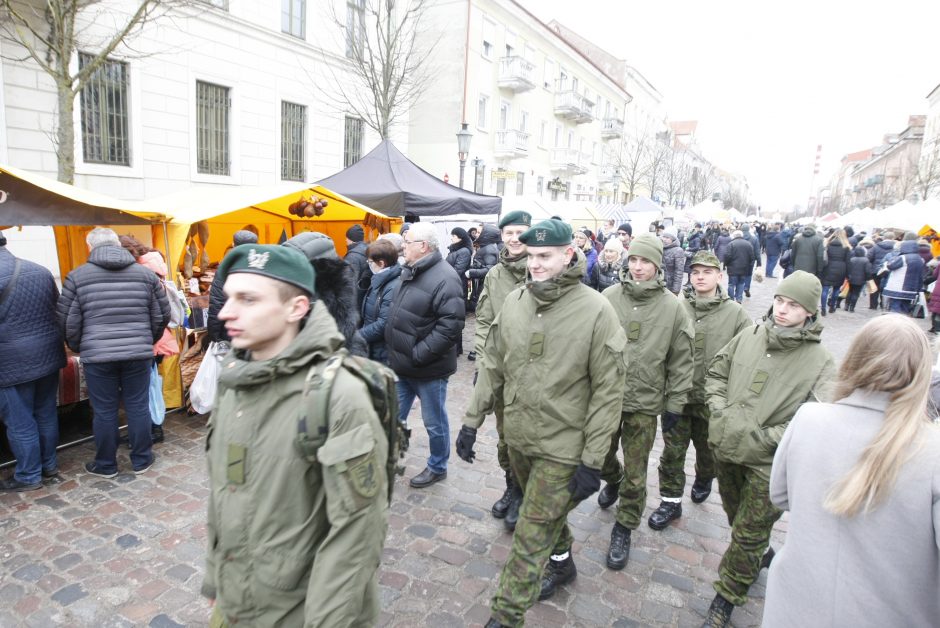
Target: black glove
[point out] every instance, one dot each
(465, 440)
(584, 483)
(669, 421)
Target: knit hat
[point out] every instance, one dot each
(802, 287)
(356, 233)
(910, 235)
(516, 218)
(405, 226)
(626, 227)
(614, 244)
(244, 236)
(313, 245)
(648, 246)
(283, 263)
(547, 233)
(705, 258)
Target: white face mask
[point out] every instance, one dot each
(373, 267)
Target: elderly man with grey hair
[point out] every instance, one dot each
(425, 320)
(111, 311)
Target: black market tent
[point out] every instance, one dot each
(391, 183)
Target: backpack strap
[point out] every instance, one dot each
(313, 428)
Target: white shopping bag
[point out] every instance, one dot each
(202, 392)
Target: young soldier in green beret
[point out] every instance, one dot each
(502, 279)
(554, 361)
(292, 542)
(659, 378)
(717, 319)
(754, 386)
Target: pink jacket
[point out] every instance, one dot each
(167, 344)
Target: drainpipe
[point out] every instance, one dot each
(466, 63)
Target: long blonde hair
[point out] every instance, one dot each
(890, 354)
(839, 234)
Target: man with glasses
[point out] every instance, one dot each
(425, 320)
(625, 233)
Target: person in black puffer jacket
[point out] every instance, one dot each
(460, 252)
(606, 271)
(356, 258)
(486, 257)
(721, 245)
(214, 326)
(112, 310)
(859, 272)
(835, 270)
(31, 354)
(335, 285)
(386, 277)
(739, 262)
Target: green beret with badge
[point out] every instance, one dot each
(705, 258)
(516, 218)
(547, 233)
(277, 262)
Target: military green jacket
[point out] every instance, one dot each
(554, 359)
(502, 279)
(755, 385)
(294, 542)
(716, 320)
(659, 345)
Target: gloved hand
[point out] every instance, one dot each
(465, 440)
(584, 483)
(669, 421)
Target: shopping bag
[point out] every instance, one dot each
(919, 309)
(844, 292)
(157, 405)
(758, 274)
(169, 370)
(202, 392)
(872, 286)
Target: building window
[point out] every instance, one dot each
(293, 17)
(489, 37)
(523, 121)
(500, 185)
(520, 183)
(478, 179)
(539, 185)
(542, 130)
(352, 151)
(505, 113)
(293, 134)
(355, 27)
(549, 75)
(104, 114)
(213, 109)
(481, 111)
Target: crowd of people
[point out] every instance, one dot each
(585, 346)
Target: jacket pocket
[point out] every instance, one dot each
(279, 572)
(351, 474)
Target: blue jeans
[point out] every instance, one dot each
(771, 265)
(109, 383)
(29, 412)
(433, 394)
(736, 284)
(902, 306)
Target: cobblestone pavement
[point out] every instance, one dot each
(129, 551)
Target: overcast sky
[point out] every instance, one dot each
(767, 84)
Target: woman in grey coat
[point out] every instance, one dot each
(861, 479)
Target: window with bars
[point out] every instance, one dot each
(213, 110)
(293, 135)
(355, 27)
(104, 114)
(520, 183)
(352, 150)
(293, 17)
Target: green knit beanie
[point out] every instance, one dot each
(649, 246)
(802, 287)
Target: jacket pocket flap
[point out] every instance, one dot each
(280, 572)
(355, 442)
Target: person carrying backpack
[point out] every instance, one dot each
(297, 457)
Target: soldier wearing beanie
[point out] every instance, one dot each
(255, 467)
(553, 358)
(717, 319)
(659, 378)
(356, 258)
(753, 387)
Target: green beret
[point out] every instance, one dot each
(277, 262)
(705, 258)
(516, 218)
(547, 233)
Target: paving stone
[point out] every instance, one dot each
(163, 621)
(127, 541)
(681, 583)
(480, 568)
(50, 501)
(69, 594)
(469, 511)
(31, 572)
(10, 593)
(65, 562)
(180, 572)
(424, 531)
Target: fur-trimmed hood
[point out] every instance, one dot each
(336, 288)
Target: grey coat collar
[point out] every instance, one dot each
(868, 399)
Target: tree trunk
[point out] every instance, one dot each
(65, 135)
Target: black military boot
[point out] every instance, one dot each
(719, 613)
(608, 495)
(619, 550)
(767, 558)
(701, 489)
(502, 504)
(667, 511)
(512, 513)
(557, 573)
(492, 623)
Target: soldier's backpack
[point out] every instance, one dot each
(313, 426)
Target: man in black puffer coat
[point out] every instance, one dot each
(739, 262)
(356, 258)
(111, 311)
(424, 323)
(486, 257)
(31, 355)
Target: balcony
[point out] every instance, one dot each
(511, 143)
(612, 129)
(569, 160)
(516, 74)
(608, 174)
(571, 105)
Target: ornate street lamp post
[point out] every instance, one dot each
(463, 148)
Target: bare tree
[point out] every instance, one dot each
(659, 158)
(702, 183)
(634, 158)
(677, 176)
(385, 55)
(52, 32)
(927, 180)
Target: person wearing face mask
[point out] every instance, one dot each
(382, 257)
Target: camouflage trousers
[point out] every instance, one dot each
(542, 530)
(691, 427)
(745, 496)
(636, 435)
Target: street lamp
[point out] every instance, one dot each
(463, 148)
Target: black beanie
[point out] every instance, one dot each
(626, 227)
(356, 233)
